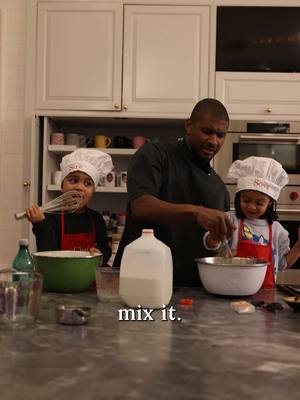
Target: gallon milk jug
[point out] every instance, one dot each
(146, 272)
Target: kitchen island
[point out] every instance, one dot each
(208, 352)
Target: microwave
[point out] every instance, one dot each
(283, 147)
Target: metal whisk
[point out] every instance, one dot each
(224, 250)
(68, 202)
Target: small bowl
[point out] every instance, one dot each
(72, 314)
(293, 302)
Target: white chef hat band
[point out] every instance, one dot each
(82, 166)
(260, 184)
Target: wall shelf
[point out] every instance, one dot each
(61, 149)
(64, 149)
(100, 189)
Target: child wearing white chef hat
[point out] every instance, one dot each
(84, 229)
(259, 182)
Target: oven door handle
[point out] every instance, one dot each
(290, 211)
(270, 138)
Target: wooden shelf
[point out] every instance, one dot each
(107, 189)
(120, 152)
(61, 149)
(102, 189)
(64, 149)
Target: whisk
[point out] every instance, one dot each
(68, 202)
(224, 250)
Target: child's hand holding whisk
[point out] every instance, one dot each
(34, 214)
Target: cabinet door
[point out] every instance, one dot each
(79, 56)
(259, 95)
(166, 57)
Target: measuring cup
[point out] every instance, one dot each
(20, 295)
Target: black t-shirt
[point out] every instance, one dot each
(173, 173)
(48, 232)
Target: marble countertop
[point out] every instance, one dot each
(208, 352)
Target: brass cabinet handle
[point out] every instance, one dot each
(125, 107)
(117, 106)
(269, 109)
(26, 184)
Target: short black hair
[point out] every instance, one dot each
(211, 107)
(270, 214)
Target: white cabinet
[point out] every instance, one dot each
(79, 52)
(263, 96)
(160, 64)
(166, 54)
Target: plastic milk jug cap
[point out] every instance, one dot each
(148, 231)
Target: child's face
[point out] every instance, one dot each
(81, 182)
(254, 203)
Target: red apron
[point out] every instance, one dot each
(77, 241)
(247, 248)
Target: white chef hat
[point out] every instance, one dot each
(259, 173)
(94, 163)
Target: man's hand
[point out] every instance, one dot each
(34, 214)
(94, 250)
(216, 222)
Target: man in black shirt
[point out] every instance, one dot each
(173, 190)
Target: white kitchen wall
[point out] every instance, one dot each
(12, 61)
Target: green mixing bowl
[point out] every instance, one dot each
(67, 271)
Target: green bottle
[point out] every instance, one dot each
(23, 261)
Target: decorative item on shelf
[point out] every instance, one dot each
(57, 138)
(113, 222)
(73, 139)
(122, 142)
(118, 180)
(102, 141)
(106, 217)
(109, 179)
(139, 141)
(123, 180)
(56, 178)
(115, 241)
(121, 218)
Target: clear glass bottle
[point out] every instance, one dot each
(23, 261)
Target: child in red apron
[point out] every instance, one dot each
(258, 234)
(85, 229)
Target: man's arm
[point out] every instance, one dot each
(148, 208)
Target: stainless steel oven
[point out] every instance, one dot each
(283, 147)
